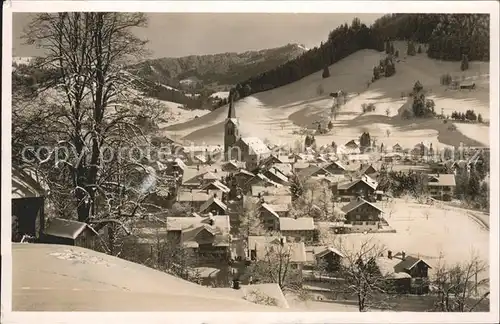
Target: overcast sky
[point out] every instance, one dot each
(181, 34)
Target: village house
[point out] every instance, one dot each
(232, 166)
(406, 273)
(275, 175)
(313, 171)
(335, 168)
(216, 188)
(326, 259)
(441, 186)
(201, 179)
(397, 148)
(213, 205)
(364, 187)
(70, 232)
(259, 180)
(243, 177)
(270, 215)
(260, 247)
(193, 198)
(299, 229)
(208, 237)
(362, 215)
(368, 170)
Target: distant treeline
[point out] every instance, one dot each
(449, 36)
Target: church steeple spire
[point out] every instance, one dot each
(231, 113)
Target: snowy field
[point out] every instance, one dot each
(275, 114)
(428, 231)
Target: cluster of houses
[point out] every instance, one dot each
(210, 197)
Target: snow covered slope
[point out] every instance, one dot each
(275, 114)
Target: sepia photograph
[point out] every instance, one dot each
(224, 160)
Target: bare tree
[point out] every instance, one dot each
(250, 221)
(276, 266)
(362, 277)
(93, 115)
(458, 286)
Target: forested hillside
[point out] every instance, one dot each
(217, 69)
(449, 37)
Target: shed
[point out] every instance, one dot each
(69, 232)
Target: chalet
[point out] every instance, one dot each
(312, 171)
(28, 201)
(269, 217)
(367, 170)
(243, 177)
(213, 205)
(232, 166)
(270, 161)
(364, 186)
(208, 237)
(200, 179)
(193, 198)
(69, 232)
(441, 186)
(335, 168)
(352, 144)
(407, 274)
(216, 187)
(276, 175)
(284, 168)
(419, 151)
(362, 215)
(300, 229)
(326, 257)
(261, 246)
(260, 180)
(397, 148)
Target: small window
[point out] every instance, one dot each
(358, 217)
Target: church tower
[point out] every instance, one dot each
(231, 131)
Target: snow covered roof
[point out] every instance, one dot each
(217, 185)
(357, 203)
(255, 145)
(66, 228)
(447, 180)
(209, 202)
(267, 244)
(296, 224)
(195, 195)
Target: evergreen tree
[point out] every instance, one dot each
(387, 47)
(326, 72)
(392, 48)
(419, 51)
(479, 118)
(411, 49)
(464, 65)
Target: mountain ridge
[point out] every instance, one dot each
(215, 71)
